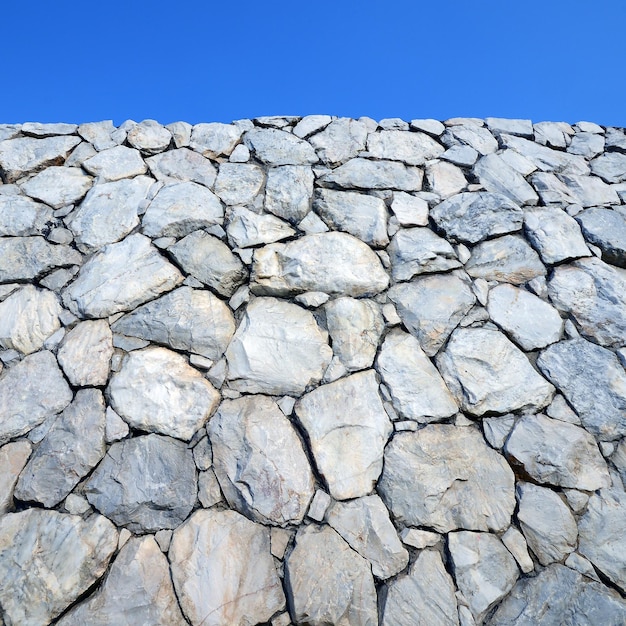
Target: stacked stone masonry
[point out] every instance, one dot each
(313, 371)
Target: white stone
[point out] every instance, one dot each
(516, 545)
(288, 191)
(149, 137)
(409, 210)
(340, 140)
(247, 229)
(58, 186)
(116, 163)
(182, 165)
(215, 139)
(410, 147)
(497, 176)
(445, 179)
(277, 147)
(365, 174)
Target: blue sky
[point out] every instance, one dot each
(218, 61)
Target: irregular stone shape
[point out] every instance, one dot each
(425, 596)
(559, 595)
(348, 429)
(417, 390)
(327, 582)
(85, 353)
(156, 391)
(594, 294)
(247, 228)
(120, 277)
(137, 590)
(215, 139)
(557, 453)
(239, 183)
(432, 306)
(145, 484)
(210, 261)
(185, 319)
(484, 570)
(277, 349)
(58, 186)
(547, 523)
(586, 143)
(474, 216)
(507, 259)
(149, 137)
(610, 166)
(522, 128)
(497, 176)
(516, 545)
(288, 191)
(31, 391)
(445, 179)
(182, 165)
(527, 319)
(471, 134)
(223, 570)
(277, 147)
(419, 251)
(47, 560)
(366, 174)
(26, 258)
(98, 134)
(73, 446)
(397, 145)
(487, 374)
(554, 234)
(25, 154)
(409, 210)
(593, 381)
(335, 263)
(590, 191)
(551, 189)
(13, 458)
(341, 140)
(607, 230)
(355, 327)
(21, 216)
(602, 530)
(181, 208)
(364, 523)
(259, 461)
(116, 163)
(446, 477)
(361, 215)
(27, 318)
(109, 212)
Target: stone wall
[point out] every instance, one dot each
(313, 371)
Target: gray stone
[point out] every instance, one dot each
(48, 560)
(521, 128)
(37, 129)
(417, 390)
(298, 350)
(551, 189)
(347, 445)
(247, 229)
(607, 230)
(99, 134)
(497, 429)
(223, 570)
(409, 210)
(470, 134)
(588, 145)
(149, 137)
(137, 590)
(445, 179)
(610, 166)
(260, 462)
(215, 139)
(58, 186)
(430, 126)
(465, 156)
(30, 392)
(336, 263)
(311, 124)
(182, 165)
(340, 140)
(210, 261)
(516, 545)
(419, 539)
(327, 582)
(181, 133)
(410, 147)
(115, 428)
(288, 191)
(365, 174)
(13, 458)
(209, 492)
(145, 483)
(73, 446)
(156, 391)
(277, 147)
(120, 277)
(590, 191)
(472, 217)
(312, 299)
(497, 176)
(319, 505)
(432, 306)
(239, 183)
(21, 216)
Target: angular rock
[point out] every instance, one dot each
(31, 391)
(446, 477)
(348, 428)
(516, 545)
(397, 145)
(37, 129)
(445, 179)
(98, 134)
(328, 583)
(239, 183)
(156, 391)
(246, 228)
(58, 186)
(137, 590)
(587, 144)
(590, 191)
(145, 483)
(522, 128)
(409, 210)
(311, 124)
(365, 174)
(551, 189)
(417, 390)
(13, 458)
(497, 176)
(21, 216)
(335, 263)
(120, 277)
(223, 571)
(365, 525)
(286, 333)
(607, 230)
(432, 306)
(47, 560)
(610, 166)
(116, 163)
(487, 374)
(215, 139)
(73, 446)
(259, 461)
(288, 191)
(182, 165)
(593, 381)
(340, 140)
(277, 147)
(472, 135)
(149, 137)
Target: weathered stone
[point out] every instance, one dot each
(586, 144)
(409, 210)
(319, 506)
(497, 176)
(47, 560)
(340, 140)
(610, 166)
(590, 191)
(288, 191)
(551, 189)
(445, 179)
(215, 139)
(311, 124)
(149, 137)
(31, 391)
(156, 391)
(607, 230)
(239, 183)
(446, 477)
(182, 165)
(37, 129)
(98, 134)
(432, 306)
(223, 571)
(120, 277)
(246, 228)
(116, 163)
(277, 147)
(470, 134)
(410, 147)
(329, 583)
(417, 390)
(145, 483)
(355, 327)
(58, 186)
(21, 216)
(348, 429)
(13, 458)
(335, 263)
(419, 539)
(115, 427)
(516, 545)
(521, 128)
(365, 174)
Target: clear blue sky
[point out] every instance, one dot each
(218, 61)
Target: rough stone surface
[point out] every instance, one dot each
(366, 174)
(116, 163)
(13, 458)
(58, 186)
(288, 191)
(21, 216)
(607, 230)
